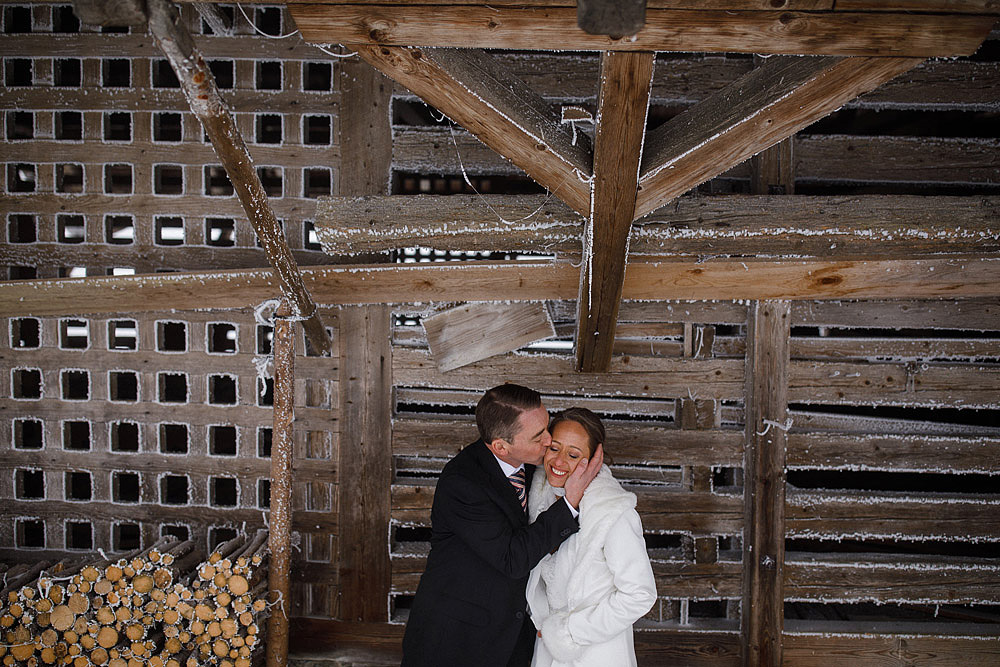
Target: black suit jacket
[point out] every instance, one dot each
(470, 604)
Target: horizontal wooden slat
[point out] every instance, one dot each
(139, 45)
(893, 453)
(830, 158)
(600, 404)
(661, 511)
(625, 443)
(829, 227)
(891, 578)
(814, 381)
(556, 375)
(829, 33)
(979, 313)
(891, 349)
(720, 279)
(829, 649)
(855, 515)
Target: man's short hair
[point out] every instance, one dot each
(499, 409)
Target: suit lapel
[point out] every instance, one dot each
(501, 487)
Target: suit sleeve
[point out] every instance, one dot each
(473, 516)
(633, 595)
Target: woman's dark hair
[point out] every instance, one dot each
(590, 422)
(499, 409)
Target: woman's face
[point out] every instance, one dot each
(569, 445)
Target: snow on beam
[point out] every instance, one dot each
(622, 104)
(475, 91)
(758, 110)
(728, 280)
(206, 103)
(842, 227)
(718, 30)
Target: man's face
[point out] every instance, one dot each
(531, 438)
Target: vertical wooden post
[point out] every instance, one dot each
(365, 454)
(771, 170)
(280, 524)
(762, 620)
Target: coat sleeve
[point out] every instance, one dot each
(476, 518)
(632, 596)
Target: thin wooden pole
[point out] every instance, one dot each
(279, 540)
(207, 104)
(767, 361)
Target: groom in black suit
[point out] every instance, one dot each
(470, 610)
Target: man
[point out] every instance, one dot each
(470, 607)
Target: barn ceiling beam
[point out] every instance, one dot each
(541, 26)
(832, 227)
(765, 106)
(206, 103)
(472, 89)
(622, 103)
(725, 280)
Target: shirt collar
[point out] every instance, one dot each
(507, 468)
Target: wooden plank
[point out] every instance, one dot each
(767, 380)
(365, 462)
(894, 453)
(628, 443)
(528, 281)
(474, 91)
(474, 332)
(895, 349)
(611, 17)
(810, 226)
(550, 374)
(843, 514)
(532, 28)
(819, 159)
(468, 399)
(821, 649)
(981, 313)
(785, 95)
(891, 578)
(693, 513)
(623, 100)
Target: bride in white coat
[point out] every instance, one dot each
(585, 596)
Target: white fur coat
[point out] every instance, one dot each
(585, 597)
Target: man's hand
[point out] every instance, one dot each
(585, 472)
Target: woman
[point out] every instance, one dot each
(585, 596)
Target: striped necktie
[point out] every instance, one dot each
(517, 481)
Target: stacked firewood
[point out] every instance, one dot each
(164, 606)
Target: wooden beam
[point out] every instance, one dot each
(767, 375)
(365, 463)
(280, 523)
(620, 127)
(713, 30)
(207, 104)
(472, 89)
(951, 278)
(765, 106)
(834, 227)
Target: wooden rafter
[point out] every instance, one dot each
(763, 107)
(199, 87)
(620, 126)
(832, 227)
(953, 278)
(885, 33)
(475, 91)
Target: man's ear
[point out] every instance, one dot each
(498, 446)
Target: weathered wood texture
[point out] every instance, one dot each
(755, 112)
(781, 32)
(958, 277)
(622, 103)
(766, 398)
(472, 332)
(502, 112)
(805, 226)
(365, 462)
